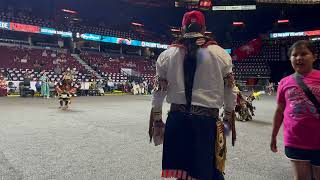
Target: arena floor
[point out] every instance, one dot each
(105, 138)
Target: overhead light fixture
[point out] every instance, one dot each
(238, 23)
(137, 24)
(69, 11)
(283, 21)
(175, 30)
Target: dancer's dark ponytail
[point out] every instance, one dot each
(189, 67)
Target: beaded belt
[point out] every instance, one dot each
(195, 110)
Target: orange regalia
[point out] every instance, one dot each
(65, 91)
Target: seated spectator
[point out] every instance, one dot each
(16, 59)
(44, 53)
(105, 65)
(26, 81)
(57, 70)
(111, 85)
(58, 60)
(106, 88)
(38, 86)
(53, 55)
(25, 88)
(126, 87)
(24, 60)
(93, 86)
(37, 67)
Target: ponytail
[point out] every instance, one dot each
(189, 67)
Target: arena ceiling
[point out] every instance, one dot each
(171, 3)
(290, 1)
(151, 3)
(119, 14)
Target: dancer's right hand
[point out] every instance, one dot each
(273, 145)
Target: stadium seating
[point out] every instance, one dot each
(16, 62)
(110, 65)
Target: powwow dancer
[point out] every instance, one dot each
(65, 90)
(45, 89)
(196, 76)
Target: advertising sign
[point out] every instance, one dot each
(4, 25)
(91, 37)
(286, 34)
(312, 33)
(154, 45)
(234, 8)
(24, 28)
(47, 31)
(64, 34)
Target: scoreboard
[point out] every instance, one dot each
(194, 4)
(208, 5)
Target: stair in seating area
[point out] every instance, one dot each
(86, 66)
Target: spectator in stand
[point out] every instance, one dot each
(38, 86)
(150, 87)
(85, 88)
(57, 69)
(105, 86)
(16, 59)
(3, 86)
(136, 89)
(142, 88)
(53, 55)
(145, 87)
(125, 87)
(111, 85)
(44, 53)
(36, 66)
(105, 65)
(116, 86)
(78, 87)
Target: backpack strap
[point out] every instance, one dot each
(307, 91)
